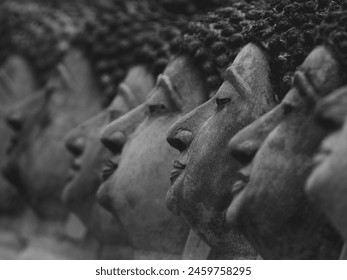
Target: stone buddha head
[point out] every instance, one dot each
(136, 191)
(204, 171)
(326, 185)
(91, 159)
(27, 51)
(269, 205)
(83, 142)
(36, 162)
(16, 82)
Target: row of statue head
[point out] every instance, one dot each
(218, 170)
(260, 173)
(41, 121)
(205, 177)
(55, 46)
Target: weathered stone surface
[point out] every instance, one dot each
(136, 191)
(270, 206)
(16, 82)
(327, 184)
(195, 248)
(91, 165)
(37, 162)
(204, 170)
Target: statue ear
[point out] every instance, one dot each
(252, 68)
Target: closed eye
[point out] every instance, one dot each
(156, 108)
(222, 102)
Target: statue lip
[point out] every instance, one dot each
(240, 184)
(109, 168)
(177, 170)
(321, 156)
(75, 167)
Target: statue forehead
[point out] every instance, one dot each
(179, 64)
(322, 70)
(251, 59)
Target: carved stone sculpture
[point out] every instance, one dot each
(16, 82)
(37, 163)
(203, 172)
(204, 167)
(269, 205)
(136, 191)
(89, 156)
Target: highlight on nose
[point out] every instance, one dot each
(114, 142)
(75, 144)
(180, 139)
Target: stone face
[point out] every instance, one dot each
(37, 163)
(327, 184)
(136, 191)
(90, 156)
(270, 206)
(202, 174)
(16, 82)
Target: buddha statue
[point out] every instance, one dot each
(16, 82)
(83, 142)
(40, 123)
(24, 57)
(203, 172)
(135, 191)
(269, 205)
(326, 186)
(71, 97)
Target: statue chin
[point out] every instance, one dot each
(133, 193)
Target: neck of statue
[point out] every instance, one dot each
(319, 242)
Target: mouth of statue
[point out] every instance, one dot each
(109, 168)
(240, 184)
(75, 167)
(177, 170)
(321, 156)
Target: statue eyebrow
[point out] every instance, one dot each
(236, 80)
(305, 87)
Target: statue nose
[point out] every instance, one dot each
(15, 120)
(180, 140)
(114, 142)
(75, 145)
(243, 150)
